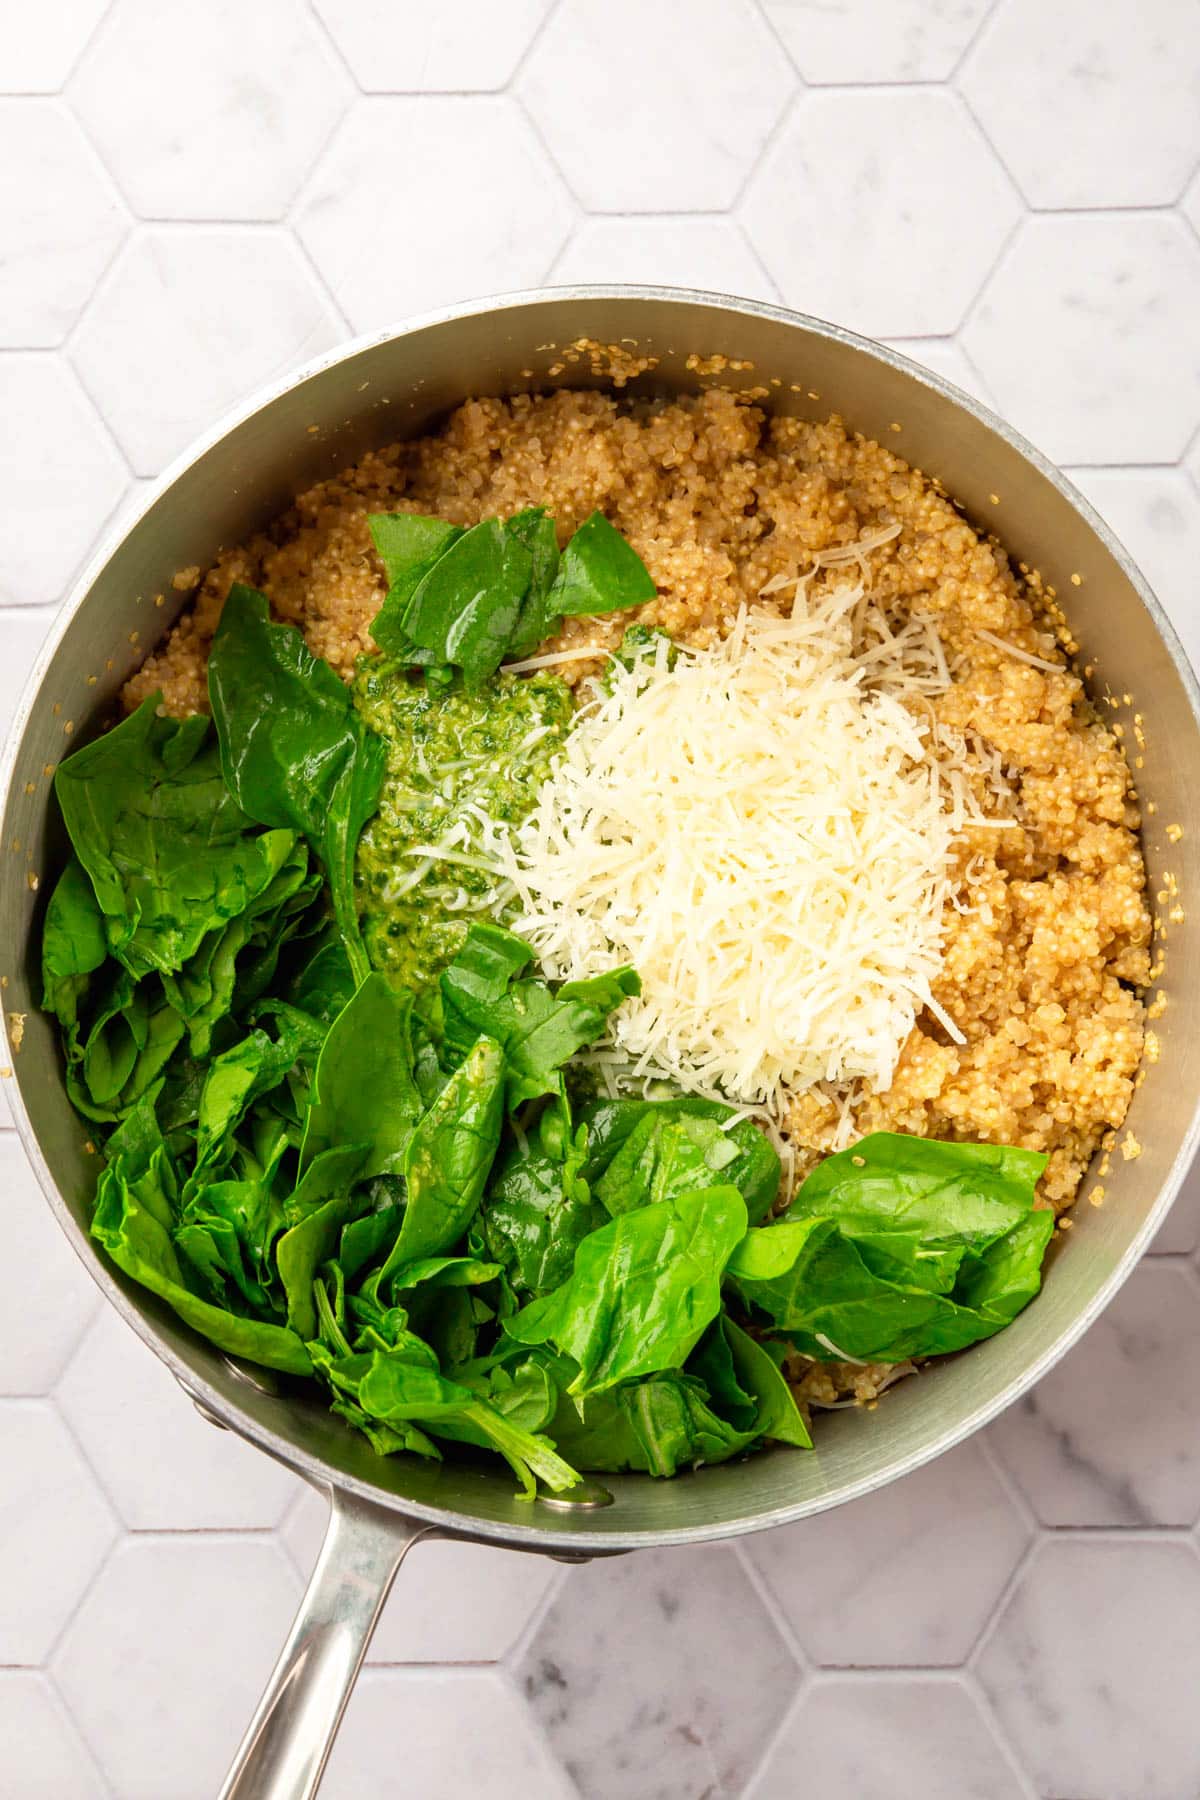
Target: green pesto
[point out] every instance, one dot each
(446, 751)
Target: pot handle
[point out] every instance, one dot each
(284, 1752)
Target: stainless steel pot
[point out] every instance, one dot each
(382, 388)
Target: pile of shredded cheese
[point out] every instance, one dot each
(765, 830)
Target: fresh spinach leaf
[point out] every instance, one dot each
(661, 1157)
(343, 1374)
(304, 1247)
(676, 1427)
(74, 946)
(831, 1306)
(394, 1389)
(746, 1386)
(450, 1324)
(236, 961)
(441, 1272)
(364, 1091)
(447, 1159)
(227, 1229)
(944, 1193)
(468, 599)
(408, 545)
(753, 1170)
(1000, 1281)
(655, 1426)
(643, 1289)
(920, 1269)
(234, 1081)
(465, 609)
(132, 1038)
(538, 1030)
(522, 1391)
(294, 751)
(538, 1209)
(601, 572)
(132, 1222)
(325, 982)
(364, 1240)
(169, 852)
(538, 619)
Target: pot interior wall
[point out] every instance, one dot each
(375, 393)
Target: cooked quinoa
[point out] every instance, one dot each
(1043, 969)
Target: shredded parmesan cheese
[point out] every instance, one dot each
(765, 831)
(1025, 656)
(553, 658)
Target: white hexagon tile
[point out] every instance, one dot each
(859, 41)
(1085, 334)
(56, 1527)
(879, 1735)
(163, 1465)
(1081, 1446)
(1090, 147)
(43, 44)
(187, 322)
(647, 109)
(909, 1575)
(458, 47)
(46, 1313)
(162, 1663)
(235, 136)
(1083, 1667)
(659, 1674)
(491, 211)
(922, 204)
(60, 224)
(44, 1756)
(63, 475)
(192, 201)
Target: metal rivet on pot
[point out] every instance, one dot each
(585, 1494)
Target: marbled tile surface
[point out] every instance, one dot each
(192, 200)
